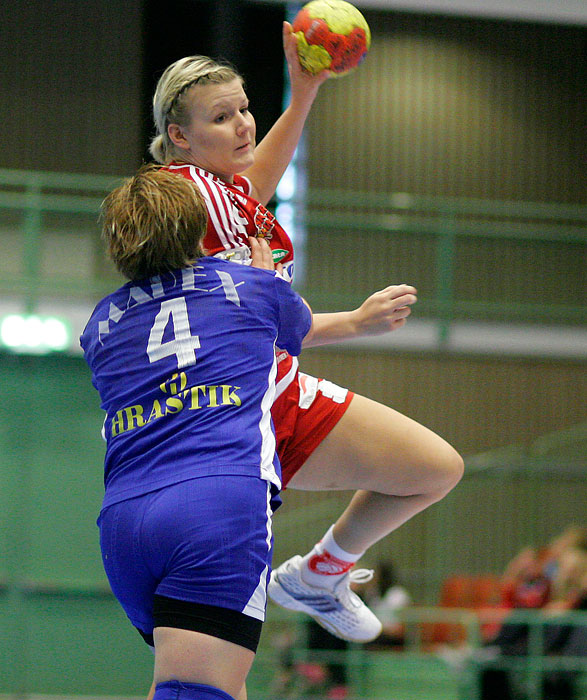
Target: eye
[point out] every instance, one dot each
(220, 118)
(244, 110)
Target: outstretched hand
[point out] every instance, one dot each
(304, 85)
(385, 310)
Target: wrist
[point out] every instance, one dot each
(353, 323)
(302, 100)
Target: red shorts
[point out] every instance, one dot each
(303, 413)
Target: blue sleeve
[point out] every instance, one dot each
(295, 319)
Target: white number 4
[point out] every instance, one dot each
(183, 345)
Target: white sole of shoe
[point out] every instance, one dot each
(282, 598)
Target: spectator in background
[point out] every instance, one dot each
(566, 560)
(573, 537)
(334, 681)
(322, 675)
(529, 577)
(524, 583)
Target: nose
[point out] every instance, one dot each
(244, 123)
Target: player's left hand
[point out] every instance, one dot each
(385, 310)
(261, 255)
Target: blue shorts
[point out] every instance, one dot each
(202, 546)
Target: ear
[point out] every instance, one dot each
(175, 133)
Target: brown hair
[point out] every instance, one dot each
(154, 222)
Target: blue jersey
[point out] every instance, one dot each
(185, 367)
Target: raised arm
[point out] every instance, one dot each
(275, 151)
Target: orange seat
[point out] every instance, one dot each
(486, 592)
(462, 591)
(456, 592)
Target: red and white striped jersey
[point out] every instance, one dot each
(304, 409)
(233, 216)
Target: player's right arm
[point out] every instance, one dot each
(275, 151)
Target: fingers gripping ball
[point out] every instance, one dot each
(332, 35)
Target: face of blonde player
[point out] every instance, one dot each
(221, 134)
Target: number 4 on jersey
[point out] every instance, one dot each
(184, 344)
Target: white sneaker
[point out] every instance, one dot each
(338, 610)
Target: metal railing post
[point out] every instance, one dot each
(31, 249)
(445, 265)
(535, 669)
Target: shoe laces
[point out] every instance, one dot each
(344, 593)
(361, 575)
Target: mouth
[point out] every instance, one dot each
(244, 147)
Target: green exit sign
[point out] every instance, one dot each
(33, 334)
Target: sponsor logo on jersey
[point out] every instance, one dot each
(193, 398)
(278, 254)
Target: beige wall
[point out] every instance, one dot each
(71, 86)
(452, 106)
(476, 403)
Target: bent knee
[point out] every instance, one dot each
(448, 471)
(434, 474)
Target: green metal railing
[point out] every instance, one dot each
(452, 226)
(421, 670)
(40, 600)
(32, 195)
(450, 671)
(445, 225)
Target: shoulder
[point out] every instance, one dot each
(257, 288)
(204, 179)
(183, 169)
(106, 310)
(239, 271)
(104, 307)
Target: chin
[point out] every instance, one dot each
(245, 164)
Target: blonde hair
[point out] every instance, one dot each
(170, 105)
(154, 222)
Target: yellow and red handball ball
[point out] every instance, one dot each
(332, 35)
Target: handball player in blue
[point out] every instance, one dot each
(184, 359)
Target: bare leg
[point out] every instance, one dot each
(193, 657)
(241, 696)
(371, 516)
(399, 466)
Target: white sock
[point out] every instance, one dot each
(327, 563)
